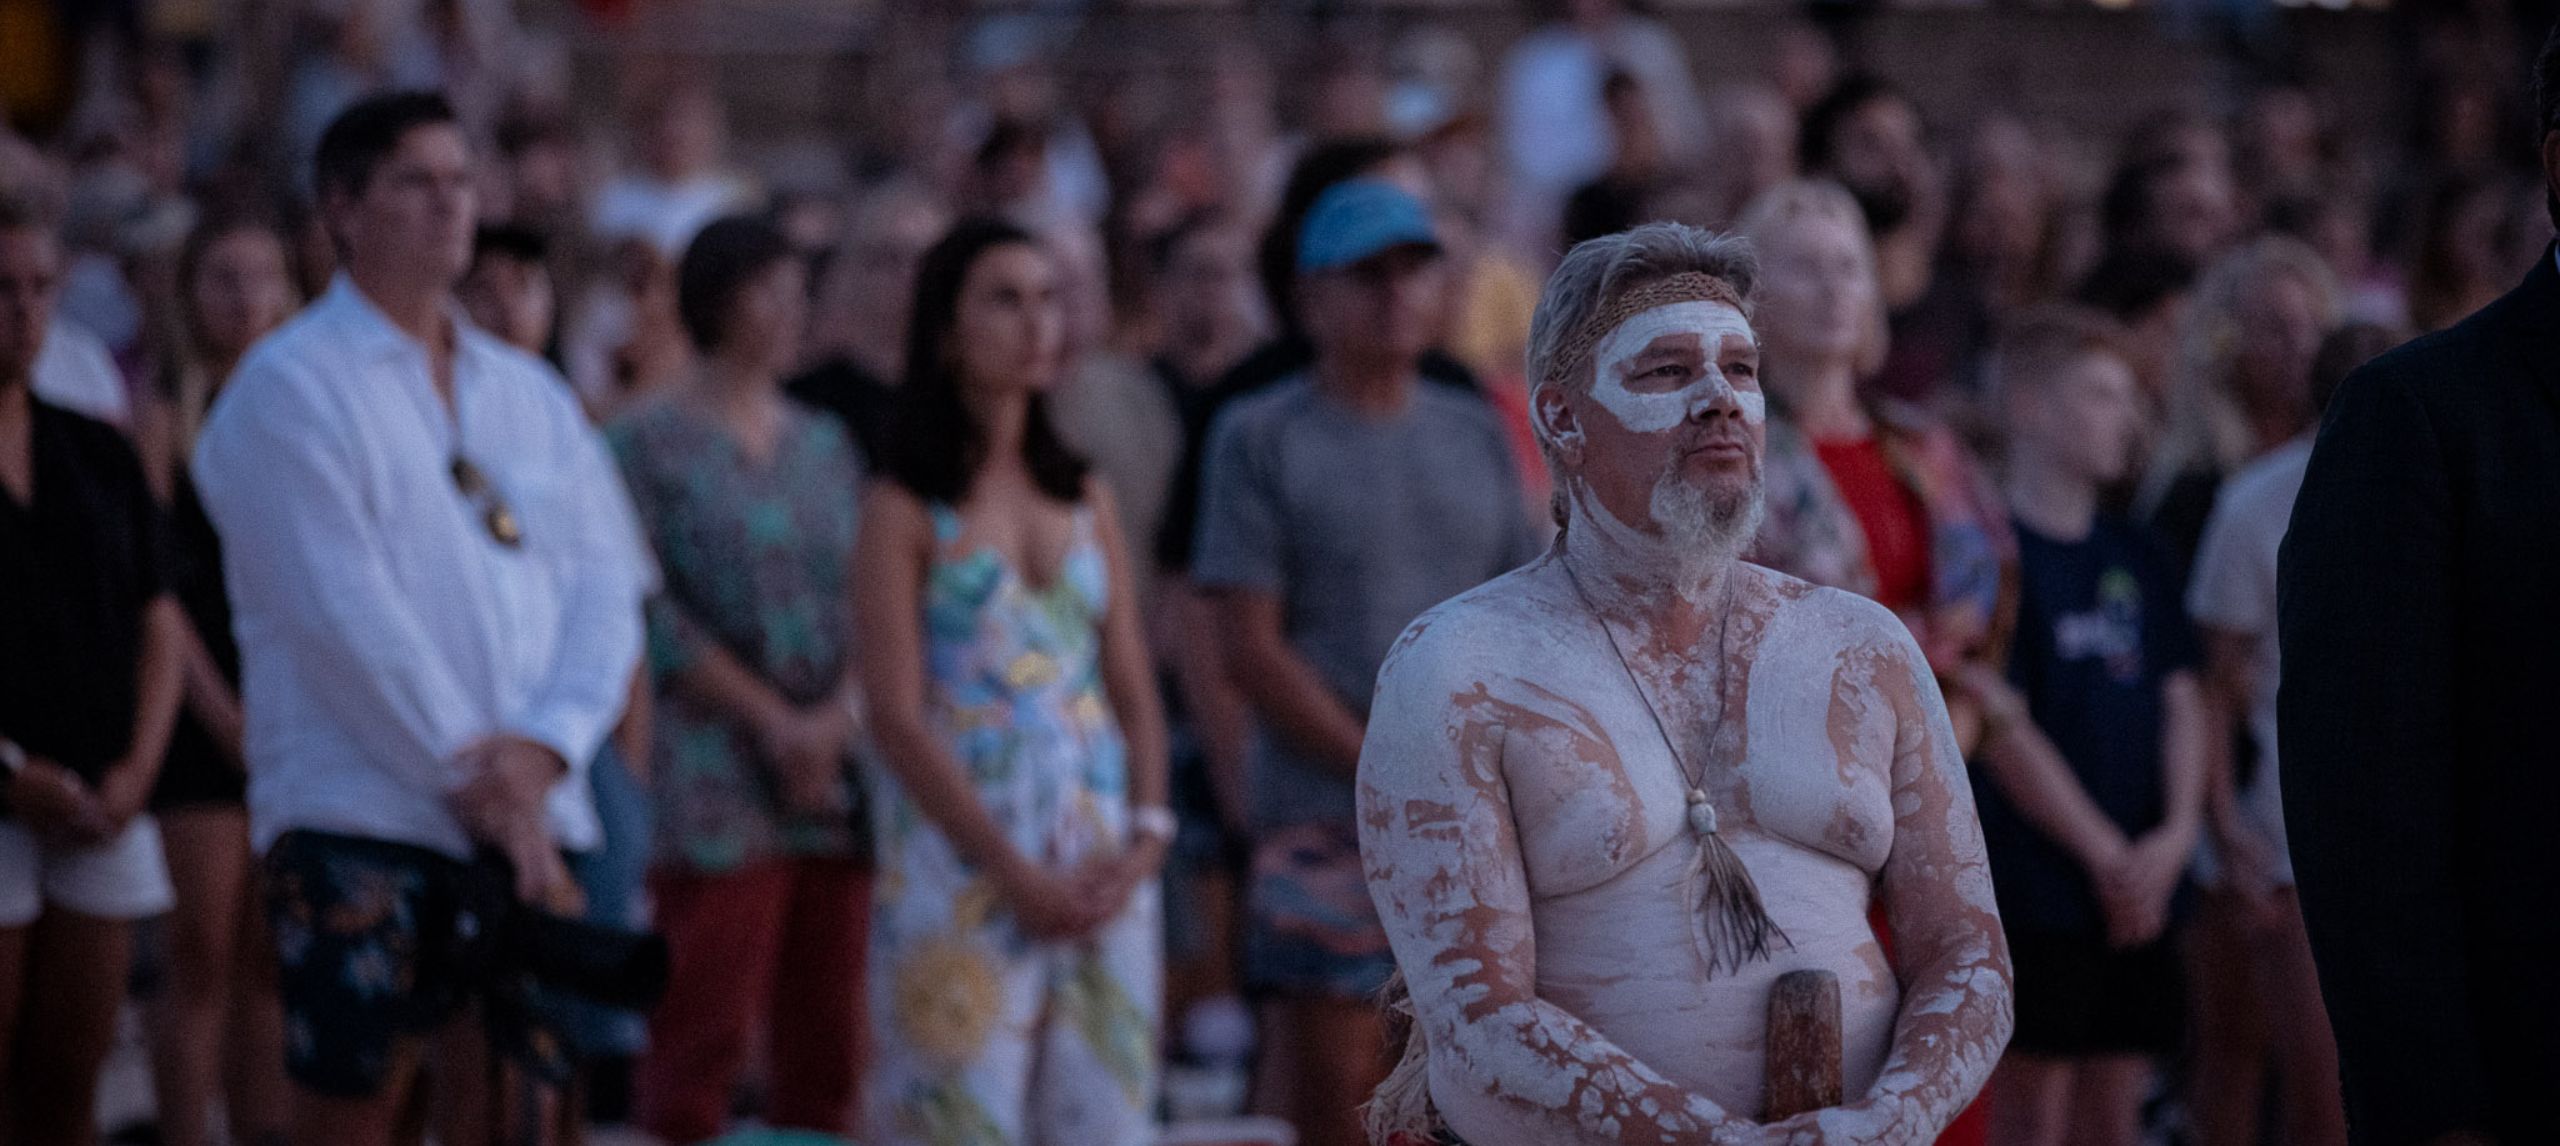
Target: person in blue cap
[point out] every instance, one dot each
(1336, 507)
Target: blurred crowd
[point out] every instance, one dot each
(1958, 319)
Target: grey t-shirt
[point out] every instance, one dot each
(1359, 524)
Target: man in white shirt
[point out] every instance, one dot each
(428, 554)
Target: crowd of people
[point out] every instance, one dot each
(942, 596)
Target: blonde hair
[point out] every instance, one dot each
(2207, 426)
(1821, 200)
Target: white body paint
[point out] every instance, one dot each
(1647, 413)
(1525, 826)
(1623, 1033)
(1685, 536)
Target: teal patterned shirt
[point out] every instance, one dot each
(756, 559)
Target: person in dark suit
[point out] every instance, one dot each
(2420, 619)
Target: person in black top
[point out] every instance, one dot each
(2247, 340)
(2419, 610)
(1210, 320)
(1209, 317)
(1625, 195)
(89, 682)
(2092, 790)
(217, 1019)
(860, 317)
(1869, 137)
(509, 291)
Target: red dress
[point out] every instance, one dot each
(1895, 523)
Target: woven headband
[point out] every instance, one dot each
(1687, 286)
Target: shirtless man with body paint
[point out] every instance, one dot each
(1540, 746)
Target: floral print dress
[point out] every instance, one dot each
(755, 556)
(982, 1037)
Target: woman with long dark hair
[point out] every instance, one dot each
(219, 1031)
(1021, 811)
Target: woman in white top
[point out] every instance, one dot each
(2232, 597)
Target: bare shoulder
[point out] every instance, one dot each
(1461, 672)
(893, 516)
(1098, 501)
(1801, 611)
(1482, 633)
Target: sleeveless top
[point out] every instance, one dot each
(1015, 688)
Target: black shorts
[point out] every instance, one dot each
(367, 950)
(2078, 997)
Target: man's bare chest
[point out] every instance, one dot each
(1598, 786)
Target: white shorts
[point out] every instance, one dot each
(123, 878)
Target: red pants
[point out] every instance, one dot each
(779, 945)
(1973, 1127)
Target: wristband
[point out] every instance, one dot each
(1154, 822)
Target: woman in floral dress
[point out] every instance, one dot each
(759, 877)
(1020, 815)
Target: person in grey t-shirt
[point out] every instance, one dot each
(1336, 508)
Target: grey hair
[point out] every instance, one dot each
(1601, 269)
(1598, 270)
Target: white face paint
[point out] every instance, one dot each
(1689, 535)
(1655, 411)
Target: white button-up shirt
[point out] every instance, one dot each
(382, 629)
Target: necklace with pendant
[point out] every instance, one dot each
(1733, 925)
(1702, 811)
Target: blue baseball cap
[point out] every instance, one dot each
(1360, 219)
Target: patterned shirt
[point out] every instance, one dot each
(1811, 531)
(756, 556)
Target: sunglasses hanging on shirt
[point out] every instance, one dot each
(495, 515)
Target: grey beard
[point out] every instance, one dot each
(1708, 527)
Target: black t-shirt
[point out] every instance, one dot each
(865, 402)
(2102, 624)
(1195, 404)
(1937, 340)
(2179, 520)
(194, 574)
(197, 770)
(77, 566)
